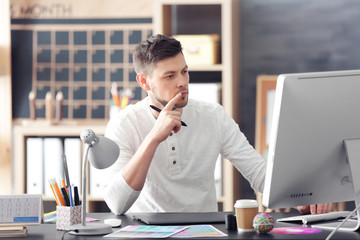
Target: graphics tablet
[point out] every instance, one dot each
(180, 218)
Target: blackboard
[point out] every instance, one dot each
(79, 57)
(283, 36)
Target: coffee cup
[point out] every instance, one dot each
(245, 210)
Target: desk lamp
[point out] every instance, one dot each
(102, 152)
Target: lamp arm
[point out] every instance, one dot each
(84, 167)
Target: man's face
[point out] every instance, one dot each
(169, 77)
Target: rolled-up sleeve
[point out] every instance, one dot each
(119, 196)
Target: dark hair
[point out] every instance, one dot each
(153, 50)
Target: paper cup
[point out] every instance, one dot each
(246, 210)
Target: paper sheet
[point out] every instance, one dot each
(146, 231)
(199, 231)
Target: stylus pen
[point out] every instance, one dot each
(159, 110)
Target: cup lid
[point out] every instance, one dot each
(246, 203)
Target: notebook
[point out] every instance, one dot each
(180, 218)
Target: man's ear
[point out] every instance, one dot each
(142, 80)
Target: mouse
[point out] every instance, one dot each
(113, 222)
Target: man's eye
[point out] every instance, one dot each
(170, 76)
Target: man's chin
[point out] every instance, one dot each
(181, 104)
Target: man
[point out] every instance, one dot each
(170, 143)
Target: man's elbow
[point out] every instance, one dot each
(116, 207)
(119, 202)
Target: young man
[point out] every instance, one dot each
(169, 143)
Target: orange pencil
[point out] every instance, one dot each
(58, 192)
(115, 94)
(55, 196)
(64, 185)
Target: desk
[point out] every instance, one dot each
(48, 231)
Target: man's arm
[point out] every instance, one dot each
(124, 181)
(135, 171)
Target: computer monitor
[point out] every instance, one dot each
(308, 161)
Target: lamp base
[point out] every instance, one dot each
(90, 229)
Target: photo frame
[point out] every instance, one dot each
(265, 95)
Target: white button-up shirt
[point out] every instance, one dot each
(181, 174)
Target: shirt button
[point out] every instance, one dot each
(174, 162)
(171, 134)
(173, 148)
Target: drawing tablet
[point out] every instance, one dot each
(180, 218)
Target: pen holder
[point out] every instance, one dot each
(67, 216)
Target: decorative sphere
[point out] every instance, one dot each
(263, 222)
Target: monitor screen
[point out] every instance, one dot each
(307, 162)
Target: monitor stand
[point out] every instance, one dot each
(352, 147)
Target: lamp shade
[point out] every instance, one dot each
(103, 151)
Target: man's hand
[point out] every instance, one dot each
(168, 120)
(135, 171)
(315, 209)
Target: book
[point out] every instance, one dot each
(13, 231)
(72, 150)
(34, 163)
(53, 151)
(96, 182)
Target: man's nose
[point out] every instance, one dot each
(183, 81)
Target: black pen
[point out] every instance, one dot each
(66, 197)
(159, 110)
(76, 196)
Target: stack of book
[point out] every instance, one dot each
(13, 231)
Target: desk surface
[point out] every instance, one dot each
(48, 231)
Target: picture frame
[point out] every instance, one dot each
(265, 95)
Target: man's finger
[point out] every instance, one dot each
(313, 209)
(304, 209)
(320, 208)
(170, 105)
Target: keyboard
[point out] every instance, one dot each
(310, 218)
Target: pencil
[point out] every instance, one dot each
(52, 189)
(58, 192)
(59, 197)
(159, 110)
(115, 95)
(62, 180)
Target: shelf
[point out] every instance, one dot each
(207, 68)
(24, 128)
(95, 199)
(191, 2)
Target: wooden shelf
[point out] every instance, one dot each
(24, 128)
(207, 68)
(190, 2)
